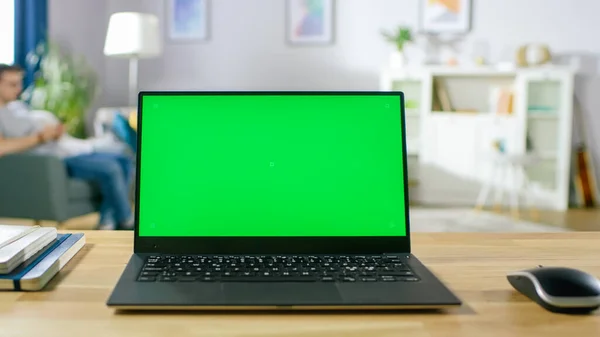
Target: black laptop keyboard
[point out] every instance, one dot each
(179, 268)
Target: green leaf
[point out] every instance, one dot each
(399, 38)
(65, 85)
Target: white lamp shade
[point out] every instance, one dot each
(133, 35)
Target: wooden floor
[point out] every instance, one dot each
(574, 219)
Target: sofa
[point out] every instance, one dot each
(104, 118)
(37, 187)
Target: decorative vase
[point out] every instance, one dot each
(397, 59)
(533, 55)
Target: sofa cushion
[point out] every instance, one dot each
(123, 130)
(81, 189)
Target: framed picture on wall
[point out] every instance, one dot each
(445, 16)
(310, 22)
(187, 20)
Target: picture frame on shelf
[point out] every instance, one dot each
(310, 22)
(445, 16)
(187, 20)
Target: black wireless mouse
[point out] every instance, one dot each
(557, 289)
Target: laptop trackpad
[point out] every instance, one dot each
(281, 293)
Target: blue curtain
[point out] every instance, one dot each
(31, 28)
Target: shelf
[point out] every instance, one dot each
(542, 133)
(461, 113)
(411, 90)
(544, 173)
(544, 96)
(541, 106)
(416, 72)
(547, 155)
(412, 147)
(457, 92)
(543, 116)
(474, 114)
(412, 167)
(412, 112)
(471, 71)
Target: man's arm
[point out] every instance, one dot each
(14, 145)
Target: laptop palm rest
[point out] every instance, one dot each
(281, 293)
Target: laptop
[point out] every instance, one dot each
(273, 200)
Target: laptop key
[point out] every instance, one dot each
(150, 273)
(147, 279)
(153, 269)
(278, 269)
(270, 279)
(400, 273)
(367, 274)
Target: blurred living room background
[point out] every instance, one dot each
(501, 97)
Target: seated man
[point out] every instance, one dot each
(21, 131)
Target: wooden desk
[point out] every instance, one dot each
(474, 265)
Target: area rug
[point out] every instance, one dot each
(469, 220)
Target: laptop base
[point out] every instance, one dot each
(286, 308)
(428, 293)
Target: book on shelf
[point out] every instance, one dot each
(35, 273)
(502, 101)
(441, 97)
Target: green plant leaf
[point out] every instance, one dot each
(66, 86)
(399, 38)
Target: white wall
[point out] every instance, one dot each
(79, 26)
(247, 48)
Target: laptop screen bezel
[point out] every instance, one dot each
(271, 245)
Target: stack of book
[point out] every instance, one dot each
(30, 256)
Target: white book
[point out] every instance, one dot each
(19, 243)
(9, 234)
(34, 274)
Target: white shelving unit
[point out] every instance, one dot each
(460, 142)
(412, 85)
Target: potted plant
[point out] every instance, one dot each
(65, 85)
(399, 38)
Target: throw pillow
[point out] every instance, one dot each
(133, 119)
(124, 131)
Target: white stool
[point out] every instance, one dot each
(518, 185)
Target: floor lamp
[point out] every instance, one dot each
(133, 36)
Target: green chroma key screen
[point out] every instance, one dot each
(271, 165)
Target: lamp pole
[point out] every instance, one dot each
(133, 80)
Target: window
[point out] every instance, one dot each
(7, 31)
